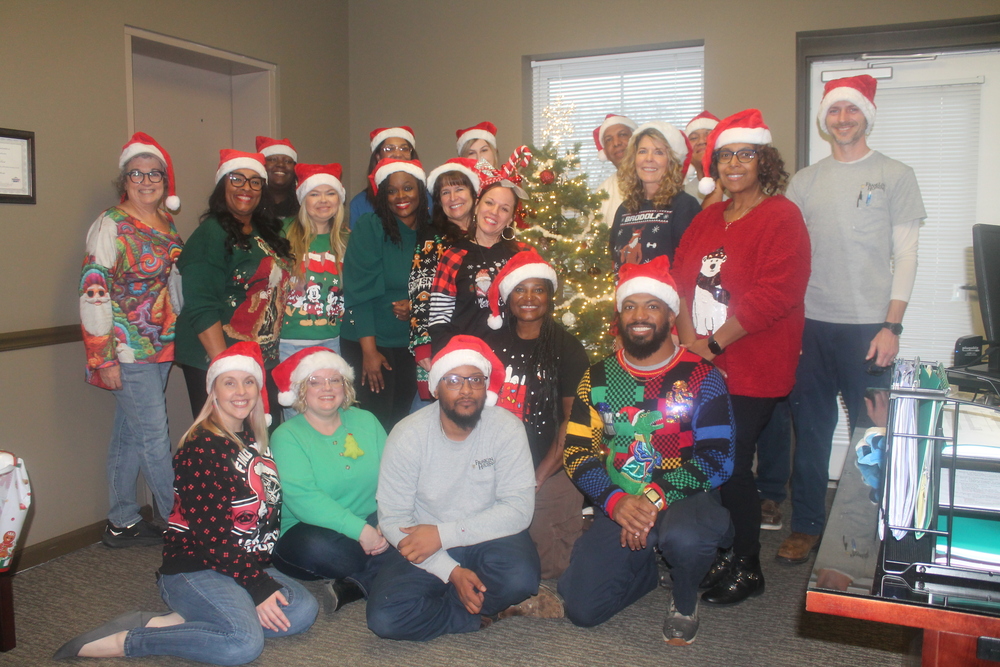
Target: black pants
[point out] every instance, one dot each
(195, 379)
(393, 402)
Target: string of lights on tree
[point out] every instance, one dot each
(567, 230)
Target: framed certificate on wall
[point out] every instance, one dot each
(17, 167)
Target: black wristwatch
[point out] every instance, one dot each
(714, 347)
(895, 327)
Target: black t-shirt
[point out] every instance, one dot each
(640, 237)
(514, 352)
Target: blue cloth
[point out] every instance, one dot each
(774, 454)
(221, 625)
(409, 603)
(140, 443)
(832, 361)
(604, 577)
(287, 348)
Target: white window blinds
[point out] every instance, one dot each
(666, 84)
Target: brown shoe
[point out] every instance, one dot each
(770, 515)
(547, 604)
(797, 548)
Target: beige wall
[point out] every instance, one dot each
(64, 79)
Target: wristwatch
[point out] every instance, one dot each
(714, 347)
(894, 327)
(653, 496)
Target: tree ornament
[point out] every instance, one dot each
(568, 319)
(532, 212)
(594, 271)
(547, 177)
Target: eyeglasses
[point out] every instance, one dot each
(136, 176)
(237, 180)
(454, 382)
(743, 155)
(316, 381)
(396, 148)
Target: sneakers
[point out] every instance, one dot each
(338, 592)
(678, 629)
(140, 534)
(797, 548)
(546, 604)
(770, 515)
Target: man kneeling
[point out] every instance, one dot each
(456, 493)
(650, 440)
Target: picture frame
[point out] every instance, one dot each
(17, 167)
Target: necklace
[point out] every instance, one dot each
(735, 217)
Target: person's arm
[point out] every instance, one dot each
(364, 282)
(425, 261)
(573, 363)
(444, 293)
(684, 209)
(98, 310)
(885, 345)
(203, 265)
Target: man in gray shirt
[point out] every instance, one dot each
(456, 494)
(863, 212)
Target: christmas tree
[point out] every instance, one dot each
(567, 231)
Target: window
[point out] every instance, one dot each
(665, 84)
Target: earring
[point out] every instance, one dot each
(508, 228)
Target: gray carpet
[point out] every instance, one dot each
(68, 596)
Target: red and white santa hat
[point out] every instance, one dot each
(309, 176)
(678, 141)
(609, 120)
(267, 147)
(463, 165)
(522, 266)
(486, 131)
(231, 160)
(465, 350)
(143, 143)
(649, 278)
(743, 127)
(242, 356)
(387, 167)
(380, 134)
(858, 90)
(703, 121)
(291, 372)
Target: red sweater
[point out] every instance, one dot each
(765, 268)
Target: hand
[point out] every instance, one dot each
(270, 615)
(636, 515)
(111, 376)
(469, 588)
(371, 371)
(425, 364)
(700, 347)
(401, 309)
(420, 542)
(631, 541)
(372, 541)
(883, 348)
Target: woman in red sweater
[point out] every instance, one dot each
(742, 269)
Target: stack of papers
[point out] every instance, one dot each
(974, 543)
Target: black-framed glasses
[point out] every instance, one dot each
(137, 176)
(744, 155)
(454, 381)
(237, 180)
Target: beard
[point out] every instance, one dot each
(96, 315)
(464, 422)
(640, 350)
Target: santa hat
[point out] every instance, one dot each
(677, 140)
(465, 350)
(609, 120)
(267, 147)
(463, 165)
(507, 176)
(743, 127)
(143, 143)
(379, 135)
(522, 266)
(858, 90)
(291, 372)
(310, 176)
(387, 167)
(242, 356)
(231, 160)
(649, 278)
(486, 131)
(703, 121)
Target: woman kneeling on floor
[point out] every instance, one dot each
(212, 552)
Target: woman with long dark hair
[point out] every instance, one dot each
(387, 143)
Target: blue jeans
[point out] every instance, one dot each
(221, 625)
(774, 454)
(140, 442)
(832, 361)
(409, 603)
(604, 577)
(287, 348)
(310, 552)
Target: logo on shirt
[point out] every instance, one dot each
(485, 463)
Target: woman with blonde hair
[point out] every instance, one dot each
(655, 210)
(224, 596)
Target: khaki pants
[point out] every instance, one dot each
(557, 523)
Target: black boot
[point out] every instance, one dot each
(744, 580)
(720, 568)
(340, 592)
